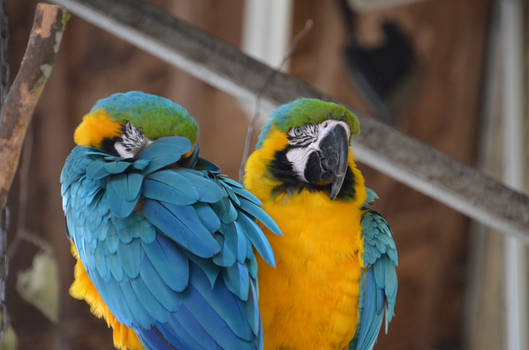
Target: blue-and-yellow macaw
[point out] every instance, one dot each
(164, 242)
(335, 275)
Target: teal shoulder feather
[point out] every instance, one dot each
(378, 284)
(169, 247)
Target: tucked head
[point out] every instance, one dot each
(307, 142)
(125, 123)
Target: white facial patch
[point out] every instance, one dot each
(132, 142)
(298, 157)
(310, 136)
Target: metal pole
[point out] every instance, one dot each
(380, 146)
(513, 174)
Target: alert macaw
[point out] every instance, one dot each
(163, 241)
(335, 277)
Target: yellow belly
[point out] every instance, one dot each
(310, 301)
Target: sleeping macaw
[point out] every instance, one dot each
(335, 275)
(164, 242)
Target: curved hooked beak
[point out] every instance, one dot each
(329, 164)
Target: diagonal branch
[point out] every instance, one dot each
(44, 41)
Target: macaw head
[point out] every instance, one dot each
(306, 145)
(125, 123)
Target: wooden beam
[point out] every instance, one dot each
(379, 146)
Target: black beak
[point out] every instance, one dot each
(329, 164)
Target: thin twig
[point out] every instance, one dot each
(35, 239)
(266, 85)
(30, 237)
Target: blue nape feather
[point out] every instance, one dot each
(169, 248)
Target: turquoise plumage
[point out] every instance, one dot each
(378, 291)
(168, 243)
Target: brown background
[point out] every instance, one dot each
(449, 37)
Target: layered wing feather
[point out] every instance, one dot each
(379, 279)
(170, 249)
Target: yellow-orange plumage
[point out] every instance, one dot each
(316, 310)
(96, 126)
(83, 289)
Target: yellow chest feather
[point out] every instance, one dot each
(310, 301)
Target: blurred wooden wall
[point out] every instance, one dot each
(449, 37)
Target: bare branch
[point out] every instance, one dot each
(44, 41)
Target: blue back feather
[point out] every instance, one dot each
(169, 248)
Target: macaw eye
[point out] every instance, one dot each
(297, 131)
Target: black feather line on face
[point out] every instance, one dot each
(281, 169)
(303, 135)
(108, 145)
(130, 143)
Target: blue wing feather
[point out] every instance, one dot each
(123, 228)
(166, 219)
(236, 278)
(116, 196)
(149, 300)
(235, 240)
(254, 234)
(252, 308)
(96, 170)
(151, 339)
(181, 194)
(241, 192)
(148, 233)
(184, 328)
(100, 261)
(116, 167)
(225, 210)
(261, 215)
(175, 275)
(112, 242)
(114, 265)
(225, 257)
(130, 255)
(379, 279)
(219, 303)
(230, 240)
(209, 192)
(141, 317)
(164, 152)
(168, 297)
(208, 216)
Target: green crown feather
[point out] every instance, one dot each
(155, 116)
(305, 111)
